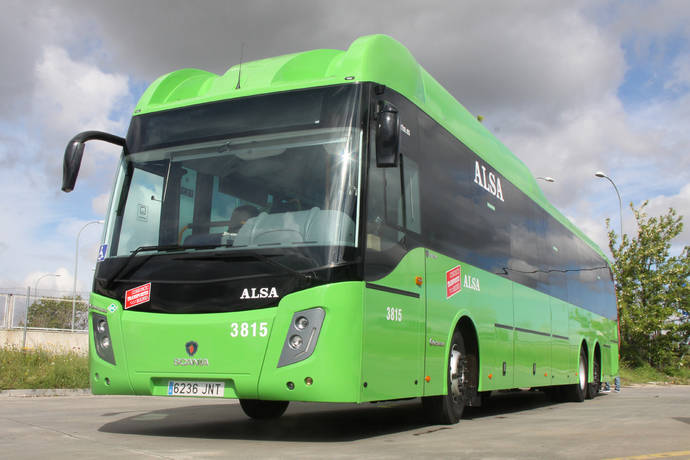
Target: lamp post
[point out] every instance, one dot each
(620, 203)
(547, 178)
(28, 304)
(76, 265)
(601, 174)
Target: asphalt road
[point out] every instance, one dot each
(641, 422)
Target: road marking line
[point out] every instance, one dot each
(678, 453)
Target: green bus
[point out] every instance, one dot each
(333, 226)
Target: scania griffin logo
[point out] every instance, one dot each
(191, 347)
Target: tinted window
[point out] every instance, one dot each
(472, 213)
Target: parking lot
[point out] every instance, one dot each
(643, 422)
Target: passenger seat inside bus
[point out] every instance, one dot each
(309, 227)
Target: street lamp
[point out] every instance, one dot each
(76, 265)
(547, 178)
(620, 203)
(28, 304)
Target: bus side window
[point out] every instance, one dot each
(385, 209)
(410, 171)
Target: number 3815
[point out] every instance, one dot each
(394, 314)
(248, 329)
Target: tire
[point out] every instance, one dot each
(593, 387)
(578, 391)
(263, 410)
(461, 381)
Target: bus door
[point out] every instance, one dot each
(394, 323)
(394, 294)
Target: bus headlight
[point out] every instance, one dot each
(101, 337)
(296, 342)
(302, 335)
(301, 323)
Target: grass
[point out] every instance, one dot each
(648, 374)
(41, 368)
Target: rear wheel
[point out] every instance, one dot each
(461, 381)
(577, 392)
(262, 410)
(593, 387)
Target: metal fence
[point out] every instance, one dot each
(46, 312)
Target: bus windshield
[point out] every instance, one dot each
(288, 189)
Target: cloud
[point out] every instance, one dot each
(72, 96)
(545, 75)
(99, 204)
(67, 95)
(660, 205)
(680, 79)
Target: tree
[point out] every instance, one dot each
(57, 313)
(653, 291)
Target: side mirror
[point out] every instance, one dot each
(387, 136)
(71, 165)
(75, 150)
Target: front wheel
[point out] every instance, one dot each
(263, 410)
(461, 380)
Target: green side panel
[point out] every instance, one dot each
(393, 341)
(485, 299)
(532, 349)
(538, 337)
(561, 354)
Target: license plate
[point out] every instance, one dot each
(199, 389)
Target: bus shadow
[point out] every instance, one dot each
(503, 403)
(307, 421)
(302, 422)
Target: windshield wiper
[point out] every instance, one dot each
(159, 248)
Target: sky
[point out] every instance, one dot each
(570, 87)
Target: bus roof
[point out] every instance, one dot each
(372, 58)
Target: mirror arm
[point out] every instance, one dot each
(100, 136)
(74, 151)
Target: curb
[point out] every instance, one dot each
(35, 393)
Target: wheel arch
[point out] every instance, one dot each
(465, 324)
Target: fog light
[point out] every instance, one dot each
(308, 381)
(105, 342)
(290, 385)
(101, 326)
(301, 323)
(296, 342)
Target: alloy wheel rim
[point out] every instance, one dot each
(457, 376)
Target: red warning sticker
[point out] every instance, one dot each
(138, 295)
(453, 282)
